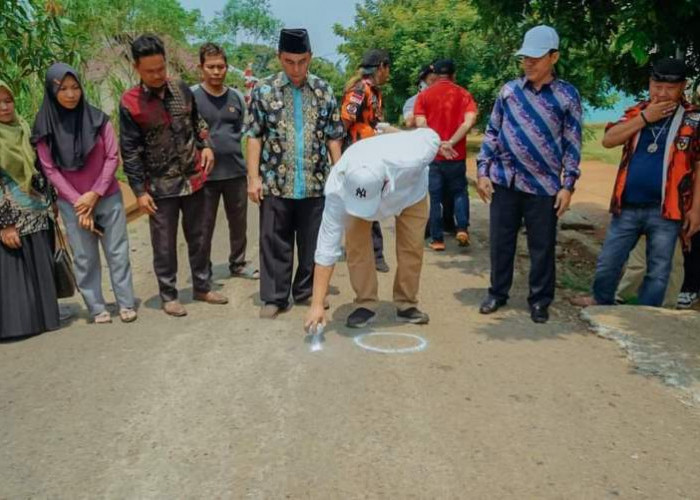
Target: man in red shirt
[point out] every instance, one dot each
(450, 111)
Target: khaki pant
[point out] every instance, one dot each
(637, 268)
(410, 228)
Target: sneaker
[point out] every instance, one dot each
(462, 238)
(360, 318)
(686, 300)
(412, 315)
(438, 246)
(381, 266)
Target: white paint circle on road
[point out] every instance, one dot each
(421, 343)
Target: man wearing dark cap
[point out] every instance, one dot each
(450, 110)
(292, 127)
(361, 112)
(656, 193)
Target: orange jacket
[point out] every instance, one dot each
(362, 108)
(682, 152)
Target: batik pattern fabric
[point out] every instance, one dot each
(683, 155)
(29, 213)
(294, 124)
(161, 139)
(533, 139)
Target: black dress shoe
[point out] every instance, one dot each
(539, 314)
(491, 305)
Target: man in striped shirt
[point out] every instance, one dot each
(527, 168)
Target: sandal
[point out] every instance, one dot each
(127, 315)
(245, 271)
(102, 318)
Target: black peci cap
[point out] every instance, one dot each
(294, 41)
(669, 70)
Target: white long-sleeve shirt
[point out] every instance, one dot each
(404, 158)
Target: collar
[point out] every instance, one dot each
(369, 81)
(524, 82)
(150, 93)
(283, 80)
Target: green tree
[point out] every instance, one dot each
(248, 20)
(416, 32)
(32, 37)
(605, 44)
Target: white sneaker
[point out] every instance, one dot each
(686, 300)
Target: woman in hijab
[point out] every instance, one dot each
(28, 303)
(78, 151)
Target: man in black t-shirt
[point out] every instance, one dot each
(224, 109)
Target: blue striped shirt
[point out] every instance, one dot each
(533, 137)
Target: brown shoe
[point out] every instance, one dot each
(583, 301)
(270, 311)
(174, 308)
(438, 246)
(211, 297)
(462, 238)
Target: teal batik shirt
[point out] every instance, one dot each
(294, 125)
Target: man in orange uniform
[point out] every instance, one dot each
(361, 112)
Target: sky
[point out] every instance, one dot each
(317, 16)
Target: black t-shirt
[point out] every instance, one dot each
(224, 114)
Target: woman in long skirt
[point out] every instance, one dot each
(28, 303)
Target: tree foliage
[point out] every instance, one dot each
(244, 19)
(605, 42)
(416, 32)
(32, 37)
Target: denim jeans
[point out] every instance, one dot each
(450, 176)
(623, 233)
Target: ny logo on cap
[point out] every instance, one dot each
(361, 193)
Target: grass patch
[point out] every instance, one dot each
(593, 150)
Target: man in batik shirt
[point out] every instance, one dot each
(293, 127)
(167, 156)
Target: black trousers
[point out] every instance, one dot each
(163, 227)
(235, 195)
(508, 209)
(282, 222)
(377, 241)
(691, 264)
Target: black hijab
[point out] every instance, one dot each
(70, 133)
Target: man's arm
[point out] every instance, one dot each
(571, 155)
(464, 128)
(351, 105)
(621, 132)
(254, 127)
(252, 160)
(334, 148)
(132, 144)
(328, 251)
(489, 146)
(691, 224)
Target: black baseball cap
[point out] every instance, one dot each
(444, 67)
(424, 72)
(373, 58)
(669, 70)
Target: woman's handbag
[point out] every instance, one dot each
(63, 266)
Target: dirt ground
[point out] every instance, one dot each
(221, 404)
